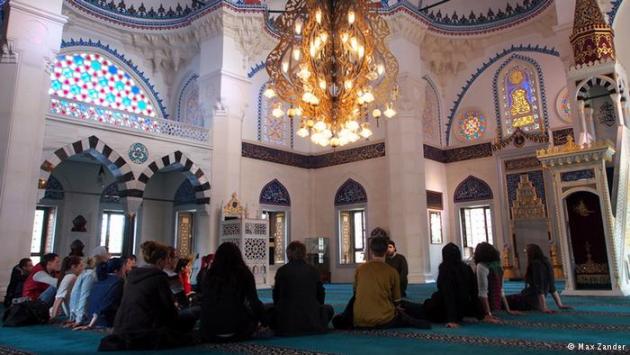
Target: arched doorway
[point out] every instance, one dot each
(587, 243)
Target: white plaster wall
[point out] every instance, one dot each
(486, 170)
(436, 180)
(621, 26)
(373, 175)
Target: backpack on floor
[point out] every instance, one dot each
(26, 313)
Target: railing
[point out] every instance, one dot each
(109, 117)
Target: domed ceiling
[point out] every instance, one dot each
(450, 16)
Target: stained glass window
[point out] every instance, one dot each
(189, 110)
(471, 126)
(563, 105)
(519, 92)
(94, 79)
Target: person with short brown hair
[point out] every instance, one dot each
(298, 296)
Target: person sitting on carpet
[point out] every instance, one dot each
(457, 294)
(376, 302)
(298, 297)
(230, 308)
(539, 281)
(83, 286)
(490, 281)
(398, 262)
(183, 270)
(106, 294)
(147, 318)
(42, 282)
(206, 261)
(71, 267)
(19, 274)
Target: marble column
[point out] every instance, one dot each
(407, 193)
(33, 37)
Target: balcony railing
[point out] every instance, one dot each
(81, 111)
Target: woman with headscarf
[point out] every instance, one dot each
(456, 296)
(539, 281)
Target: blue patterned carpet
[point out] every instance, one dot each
(594, 320)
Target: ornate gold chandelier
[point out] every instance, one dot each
(333, 69)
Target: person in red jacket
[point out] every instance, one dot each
(42, 282)
(184, 269)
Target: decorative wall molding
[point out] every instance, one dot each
(612, 14)
(522, 163)
(350, 193)
(274, 193)
(193, 173)
(472, 189)
(81, 43)
(114, 162)
(181, 16)
(577, 175)
(54, 189)
(453, 155)
(485, 65)
(472, 21)
(254, 151)
(536, 177)
(560, 136)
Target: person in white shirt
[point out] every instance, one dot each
(71, 267)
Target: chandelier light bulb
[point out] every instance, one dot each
(361, 51)
(354, 43)
(296, 54)
(366, 132)
(285, 67)
(318, 16)
(335, 142)
(351, 17)
(310, 123)
(298, 27)
(352, 125)
(327, 133)
(368, 96)
(344, 37)
(322, 84)
(376, 113)
(269, 93)
(277, 111)
(389, 111)
(324, 36)
(297, 111)
(347, 84)
(302, 132)
(320, 126)
(380, 69)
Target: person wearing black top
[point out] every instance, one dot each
(398, 262)
(147, 318)
(19, 274)
(230, 308)
(456, 296)
(298, 297)
(539, 281)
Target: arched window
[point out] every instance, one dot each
(273, 124)
(520, 98)
(351, 205)
(472, 198)
(431, 124)
(275, 204)
(189, 110)
(96, 85)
